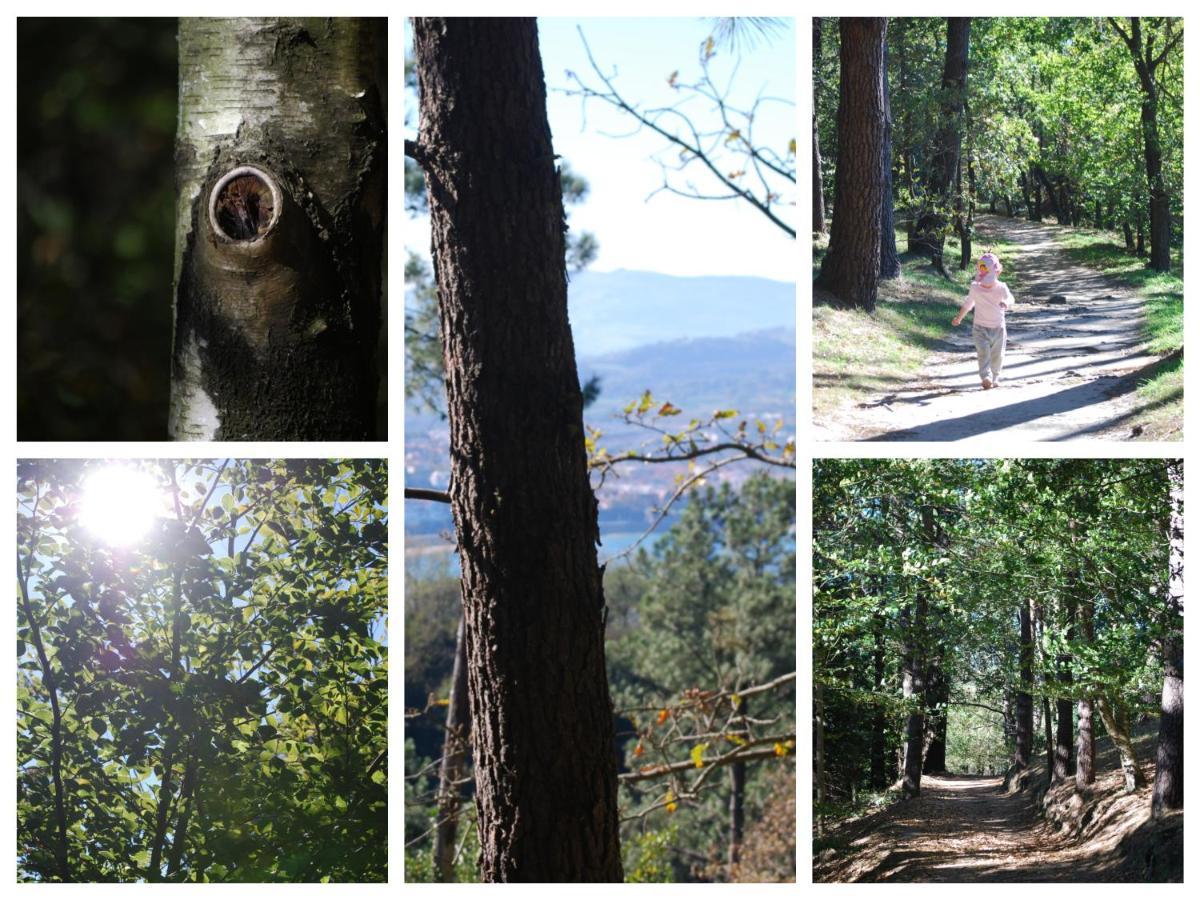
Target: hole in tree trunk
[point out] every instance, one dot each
(244, 204)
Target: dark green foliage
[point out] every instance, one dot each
(1065, 535)
(221, 683)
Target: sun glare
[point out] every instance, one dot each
(119, 504)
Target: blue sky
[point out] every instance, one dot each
(674, 235)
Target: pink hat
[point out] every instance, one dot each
(989, 268)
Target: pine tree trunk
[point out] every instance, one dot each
(850, 269)
(937, 694)
(453, 767)
(1085, 768)
(525, 515)
(737, 811)
(819, 754)
(1168, 775)
(281, 169)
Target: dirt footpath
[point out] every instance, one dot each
(1073, 337)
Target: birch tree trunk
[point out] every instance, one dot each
(1168, 776)
(281, 169)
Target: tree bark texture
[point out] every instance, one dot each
(524, 512)
(819, 753)
(278, 270)
(1168, 774)
(1118, 731)
(454, 761)
(889, 261)
(1085, 764)
(850, 269)
(818, 186)
(940, 181)
(1024, 748)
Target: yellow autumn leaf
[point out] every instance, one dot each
(698, 755)
(671, 804)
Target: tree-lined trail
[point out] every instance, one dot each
(967, 828)
(1066, 368)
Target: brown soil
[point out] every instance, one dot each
(965, 828)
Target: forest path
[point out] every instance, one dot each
(964, 828)
(1066, 372)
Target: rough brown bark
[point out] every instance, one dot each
(278, 273)
(930, 235)
(1085, 768)
(879, 779)
(937, 696)
(453, 767)
(1024, 746)
(850, 269)
(737, 811)
(542, 730)
(1168, 775)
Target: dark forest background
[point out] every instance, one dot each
(96, 111)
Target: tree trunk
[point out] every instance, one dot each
(850, 269)
(1024, 750)
(1085, 770)
(937, 695)
(737, 811)
(524, 512)
(947, 146)
(1146, 60)
(1119, 734)
(1065, 735)
(1140, 249)
(819, 753)
(879, 778)
(282, 181)
(889, 262)
(818, 185)
(1168, 774)
(1128, 232)
(453, 767)
(1048, 724)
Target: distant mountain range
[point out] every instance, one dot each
(614, 311)
(701, 343)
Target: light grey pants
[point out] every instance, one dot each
(989, 344)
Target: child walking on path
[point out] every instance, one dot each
(990, 299)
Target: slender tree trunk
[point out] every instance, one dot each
(931, 228)
(1146, 61)
(819, 753)
(889, 262)
(1048, 724)
(879, 778)
(1168, 774)
(818, 184)
(737, 811)
(850, 269)
(1119, 733)
(1128, 232)
(524, 512)
(1065, 735)
(453, 768)
(1085, 770)
(282, 184)
(1024, 750)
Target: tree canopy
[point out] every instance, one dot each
(205, 700)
